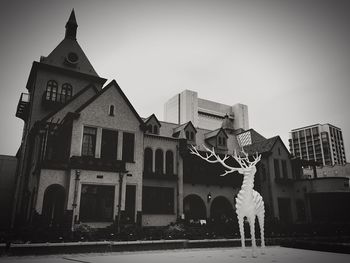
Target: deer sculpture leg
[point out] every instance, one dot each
(261, 217)
(251, 220)
(241, 231)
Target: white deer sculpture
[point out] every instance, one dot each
(249, 202)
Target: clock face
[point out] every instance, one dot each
(72, 58)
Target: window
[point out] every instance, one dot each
(155, 129)
(148, 160)
(277, 168)
(66, 92)
(109, 144)
(149, 128)
(284, 169)
(111, 110)
(169, 163)
(192, 136)
(188, 135)
(89, 142)
(159, 161)
(128, 147)
(157, 200)
(220, 143)
(51, 90)
(96, 203)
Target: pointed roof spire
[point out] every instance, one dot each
(71, 26)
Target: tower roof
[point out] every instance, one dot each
(68, 54)
(71, 26)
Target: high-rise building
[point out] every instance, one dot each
(322, 143)
(206, 114)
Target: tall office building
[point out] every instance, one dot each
(206, 114)
(320, 142)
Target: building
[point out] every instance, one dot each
(322, 143)
(206, 114)
(88, 157)
(8, 166)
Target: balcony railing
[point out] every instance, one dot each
(153, 175)
(97, 164)
(23, 107)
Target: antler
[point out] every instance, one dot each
(218, 159)
(244, 161)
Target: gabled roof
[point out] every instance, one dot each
(263, 146)
(150, 117)
(183, 127)
(112, 84)
(249, 137)
(51, 114)
(214, 133)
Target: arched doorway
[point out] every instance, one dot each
(221, 210)
(194, 207)
(53, 205)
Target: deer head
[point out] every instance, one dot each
(247, 167)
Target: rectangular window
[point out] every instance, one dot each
(284, 169)
(158, 200)
(128, 147)
(109, 144)
(96, 203)
(89, 142)
(276, 168)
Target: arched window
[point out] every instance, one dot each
(169, 163)
(66, 92)
(155, 129)
(51, 90)
(111, 110)
(148, 160)
(159, 161)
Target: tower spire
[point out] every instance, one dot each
(71, 26)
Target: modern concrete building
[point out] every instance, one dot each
(322, 143)
(206, 114)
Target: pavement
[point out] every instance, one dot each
(206, 255)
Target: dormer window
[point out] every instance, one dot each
(221, 141)
(187, 135)
(155, 129)
(192, 136)
(111, 110)
(153, 125)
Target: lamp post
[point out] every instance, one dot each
(75, 197)
(121, 176)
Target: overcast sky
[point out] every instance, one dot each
(289, 61)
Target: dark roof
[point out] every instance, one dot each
(150, 117)
(72, 99)
(114, 84)
(214, 133)
(249, 137)
(264, 146)
(183, 127)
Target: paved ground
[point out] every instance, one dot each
(212, 255)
